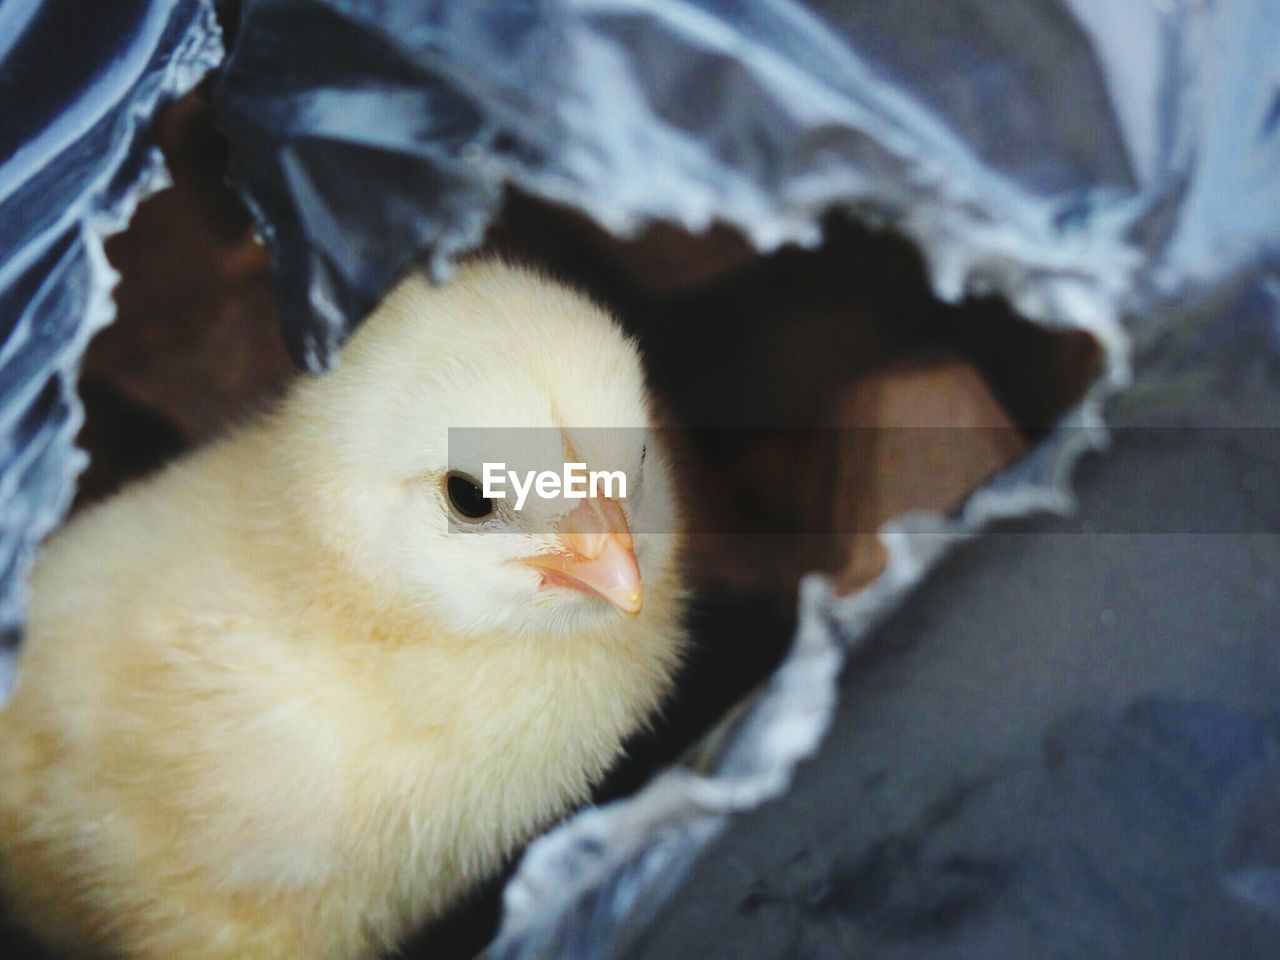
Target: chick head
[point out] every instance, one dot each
(498, 366)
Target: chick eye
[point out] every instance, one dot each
(466, 497)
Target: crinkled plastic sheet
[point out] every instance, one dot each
(79, 91)
(1090, 161)
(1065, 154)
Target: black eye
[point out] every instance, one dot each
(466, 497)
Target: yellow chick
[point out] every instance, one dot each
(296, 694)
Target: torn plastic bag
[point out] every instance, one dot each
(1089, 161)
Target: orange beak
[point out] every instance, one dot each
(596, 556)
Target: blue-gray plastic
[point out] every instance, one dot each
(78, 91)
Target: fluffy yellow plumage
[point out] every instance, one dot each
(271, 707)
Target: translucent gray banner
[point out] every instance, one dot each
(794, 481)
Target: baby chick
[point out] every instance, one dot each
(297, 693)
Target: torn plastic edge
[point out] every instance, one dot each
(1020, 252)
(763, 740)
(201, 53)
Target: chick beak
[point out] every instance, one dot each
(596, 556)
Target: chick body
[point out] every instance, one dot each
(256, 718)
